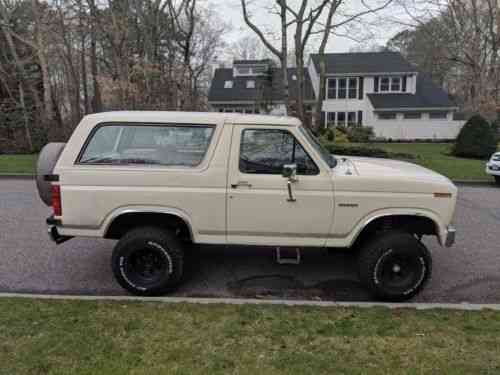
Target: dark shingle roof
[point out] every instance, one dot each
(364, 62)
(272, 87)
(428, 95)
(252, 62)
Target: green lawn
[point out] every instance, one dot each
(22, 164)
(437, 156)
(70, 337)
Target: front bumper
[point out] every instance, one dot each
(450, 236)
(493, 172)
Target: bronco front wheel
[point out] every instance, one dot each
(148, 261)
(394, 266)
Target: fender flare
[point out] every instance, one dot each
(418, 212)
(111, 217)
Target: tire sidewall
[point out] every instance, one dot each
(421, 273)
(122, 256)
(394, 244)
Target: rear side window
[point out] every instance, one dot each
(167, 145)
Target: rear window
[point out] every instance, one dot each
(167, 145)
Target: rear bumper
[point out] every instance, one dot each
(54, 233)
(450, 236)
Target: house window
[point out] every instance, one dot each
(228, 84)
(244, 71)
(330, 119)
(351, 118)
(437, 115)
(389, 84)
(353, 88)
(259, 69)
(395, 84)
(387, 116)
(341, 118)
(412, 115)
(384, 84)
(250, 84)
(342, 88)
(332, 88)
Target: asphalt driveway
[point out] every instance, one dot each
(30, 262)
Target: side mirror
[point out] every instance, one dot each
(289, 171)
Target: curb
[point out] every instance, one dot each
(252, 301)
(18, 176)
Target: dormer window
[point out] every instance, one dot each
(228, 84)
(395, 84)
(390, 84)
(250, 84)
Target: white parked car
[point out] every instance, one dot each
(493, 167)
(157, 180)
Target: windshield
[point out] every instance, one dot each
(327, 157)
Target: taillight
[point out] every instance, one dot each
(56, 200)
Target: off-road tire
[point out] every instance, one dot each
(497, 180)
(47, 160)
(164, 247)
(380, 258)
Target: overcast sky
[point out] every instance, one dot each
(387, 21)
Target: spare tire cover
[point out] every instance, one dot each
(47, 160)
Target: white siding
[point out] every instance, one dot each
(423, 128)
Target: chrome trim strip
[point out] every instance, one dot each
(267, 234)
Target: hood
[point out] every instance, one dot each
(392, 168)
(376, 174)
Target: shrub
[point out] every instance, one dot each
(360, 134)
(476, 139)
(495, 125)
(329, 136)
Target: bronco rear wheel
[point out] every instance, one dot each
(394, 266)
(148, 261)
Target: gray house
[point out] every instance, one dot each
(377, 89)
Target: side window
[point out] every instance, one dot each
(265, 151)
(168, 145)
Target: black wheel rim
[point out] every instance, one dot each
(146, 266)
(400, 273)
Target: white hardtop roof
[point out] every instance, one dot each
(191, 118)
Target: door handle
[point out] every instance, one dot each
(241, 183)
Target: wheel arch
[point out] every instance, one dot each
(124, 219)
(420, 222)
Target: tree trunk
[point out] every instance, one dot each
(21, 82)
(321, 90)
(284, 55)
(86, 104)
(27, 130)
(96, 99)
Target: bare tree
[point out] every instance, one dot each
(330, 27)
(464, 36)
(281, 53)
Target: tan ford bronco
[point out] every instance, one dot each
(157, 181)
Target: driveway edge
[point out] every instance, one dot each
(252, 301)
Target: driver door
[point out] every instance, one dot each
(259, 208)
